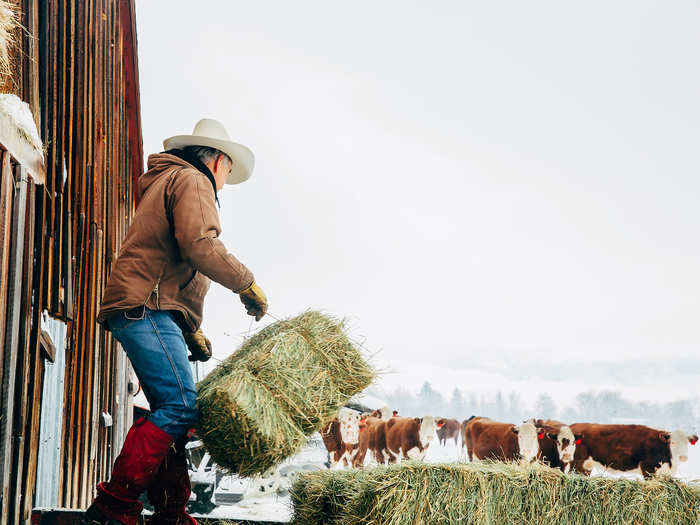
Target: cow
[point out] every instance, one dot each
(448, 429)
(380, 413)
(409, 438)
(372, 439)
(557, 444)
(630, 449)
(487, 439)
(341, 437)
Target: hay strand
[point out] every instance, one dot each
(8, 25)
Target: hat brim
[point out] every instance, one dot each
(242, 158)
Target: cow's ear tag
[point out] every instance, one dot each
(578, 441)
(693, 442)
(540, 435)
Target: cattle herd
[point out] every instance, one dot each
(381, 437)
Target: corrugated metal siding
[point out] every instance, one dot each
(49, 462)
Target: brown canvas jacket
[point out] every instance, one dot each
(172, 250)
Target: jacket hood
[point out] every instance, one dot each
(159, 163)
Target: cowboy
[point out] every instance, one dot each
(153, 306)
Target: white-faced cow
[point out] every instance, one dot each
(409, 438)
(630, 449)
(488, 439)
(557, 444)
(447, 429)
(341, 437)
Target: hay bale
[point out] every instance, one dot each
(259, 406)
(487, 493)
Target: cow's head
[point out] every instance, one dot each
(349, 426)
(678, 442)
(566, 442)
(528, 439)
(363, 423)
(427, 429)
(440, 422)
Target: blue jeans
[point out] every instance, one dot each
(158, 353)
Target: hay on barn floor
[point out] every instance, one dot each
(487, 493)
(260, 405)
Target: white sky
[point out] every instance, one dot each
(474, 185)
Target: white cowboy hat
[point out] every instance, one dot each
(211, 133)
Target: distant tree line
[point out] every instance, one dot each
(590, 406)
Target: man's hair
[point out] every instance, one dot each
(205, 153)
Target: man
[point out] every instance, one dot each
(153, 306)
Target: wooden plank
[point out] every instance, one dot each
(52, 156)
(33, 425)
(23, 399)
(12, 339)
(6, 197)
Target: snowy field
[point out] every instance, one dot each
(275, 507)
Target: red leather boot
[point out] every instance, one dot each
(171, 489)
(144, 450)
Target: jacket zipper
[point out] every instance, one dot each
(155, 291)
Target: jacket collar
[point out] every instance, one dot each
(194, 160)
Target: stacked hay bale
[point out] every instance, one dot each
(259, 406)
(487, 494)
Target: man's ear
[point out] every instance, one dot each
(220, 161)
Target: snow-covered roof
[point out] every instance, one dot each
(19, 136)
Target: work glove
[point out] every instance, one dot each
(198, 345)
(254, 300)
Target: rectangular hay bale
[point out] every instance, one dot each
(487, 493)
(259, 406)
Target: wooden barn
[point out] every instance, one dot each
(67, 194)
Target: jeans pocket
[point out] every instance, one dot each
(125, 319)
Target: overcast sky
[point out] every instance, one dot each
(479, 187)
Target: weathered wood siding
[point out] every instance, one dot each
(76, 67)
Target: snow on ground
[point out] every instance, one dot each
(264, 508)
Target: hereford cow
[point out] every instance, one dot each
(381, 413)
(372, 439)
(341, 437)
(486, 439)
(630, 449)
(557, 444)
(448, 429)
(409, 438)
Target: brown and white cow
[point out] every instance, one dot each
(557, 443)
(409, 437)
(630, 449)
(448, 429)
(380, 413)
(373, 440)
(341, 437)
(488, 439)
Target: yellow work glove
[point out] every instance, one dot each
(254, 300)
(198, 345)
